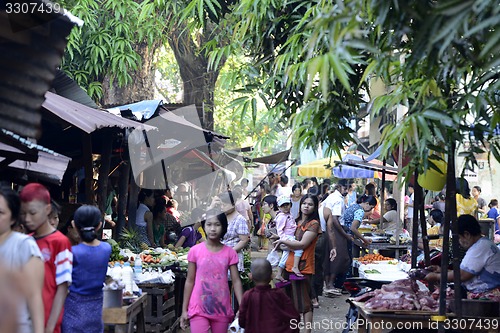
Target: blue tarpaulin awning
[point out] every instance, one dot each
(354, 166)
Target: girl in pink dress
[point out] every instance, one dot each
(207, 303)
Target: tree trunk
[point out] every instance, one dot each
(198, 80)
(142, 86)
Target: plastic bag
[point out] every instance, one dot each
(274, 258)
(235, 327)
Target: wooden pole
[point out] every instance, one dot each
(88, 166)
(132, 202)
(450, 215)
(454, 227)
(400, 194)
(102, 181)
(122, 197)
(423, 226)
(382, 200)
(416, 209)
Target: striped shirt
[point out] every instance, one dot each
(58, 259)
(238, 226)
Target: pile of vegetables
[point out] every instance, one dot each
(149, 258)
(115, 251)
(372, 258)
(158, 258)
(404, 238)
(164, 258)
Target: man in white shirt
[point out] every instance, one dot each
(283, 188)
(335, 201)
(334, 206)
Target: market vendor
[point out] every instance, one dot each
(391, 219)
(371, 190)
(356, 213)
(480, 268)
(190, 234)
(435, 219)
(144, 216)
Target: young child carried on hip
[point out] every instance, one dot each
(286, 226)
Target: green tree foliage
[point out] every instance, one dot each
(310, 62)
(441, 60)
(243, 116)
(106, 44)
(170, 83)
(227, 119)
(118, 34)
(301, 72)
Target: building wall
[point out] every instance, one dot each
(486, 175)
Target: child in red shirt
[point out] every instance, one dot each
(56, 252)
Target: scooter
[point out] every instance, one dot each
(356, 287)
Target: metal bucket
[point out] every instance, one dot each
(112, 298)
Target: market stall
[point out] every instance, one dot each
(160, 314)
(157, 273)
(384, 270)
(383, 246)
(382, 241)
(124, 317)
(378, 321)
(407, 304)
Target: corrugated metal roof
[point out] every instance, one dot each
(38, 160)
(85, 118)
(50, 167)
(31, 48)
(66, 87)
(28, 143)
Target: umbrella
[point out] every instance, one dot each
(319, 168)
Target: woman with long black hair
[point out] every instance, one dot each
(83, 306)
(466, 204)
(20, 255)
(306, 235)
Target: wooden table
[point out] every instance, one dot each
(374, 321)
(123, 318)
